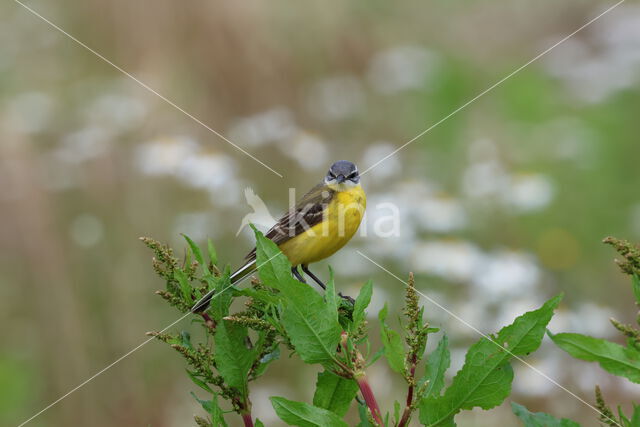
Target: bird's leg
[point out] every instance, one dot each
(305, 268)
(297, 275)
(347, 298)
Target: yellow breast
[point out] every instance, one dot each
(341, 220)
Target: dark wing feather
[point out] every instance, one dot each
(304, 215)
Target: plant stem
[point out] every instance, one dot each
(369, 398)
(246, 418)
(209, 321)
(406, 416)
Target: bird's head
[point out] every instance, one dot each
(343, 174)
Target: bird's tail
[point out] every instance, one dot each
(236, 278)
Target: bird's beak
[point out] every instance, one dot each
(341, 179)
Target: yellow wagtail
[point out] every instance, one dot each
(321, 223)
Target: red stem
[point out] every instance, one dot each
(407, 410)
(209, 321)
(370, 399)
(246, 417)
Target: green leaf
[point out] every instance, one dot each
(334, 393)
(311, 324)
(392, 342)
(330, 295)
(273, 266)
(213, 256)
(396, 412)
(540, 419)
(213, 409)
(635, 418)
(198, 254)
(265, 361)
(197, 381)
(185, 287)
(485, 378)
(377, 355)
(635, 281)
(220, 302)
(233, 358)
(364, 417)
(362, 302)
(437, 365)
(304, 415)
(612, 357)
(185, 340)
(258, 423)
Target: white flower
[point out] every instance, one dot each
(336, 98)
(276, 124)
(402, 68)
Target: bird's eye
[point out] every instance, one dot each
(331, 175)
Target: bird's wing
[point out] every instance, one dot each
(304, 215)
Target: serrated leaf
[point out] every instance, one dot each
(362, 302)
(213, 255)
(213, 409)
(437, 365)
(612, 357)
(540, 419)
(304, 415)
(233, 358)
(185, 287)
(392, 342)
(334, 393)
(312, 327)
(197, 253)
(485, 378)
(311, 324)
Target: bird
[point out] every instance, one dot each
(316, 227)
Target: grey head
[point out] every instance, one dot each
(341, 172)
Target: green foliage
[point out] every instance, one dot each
(362, 302)
(485, 378)
(311, 324)
(437, 365)
(540, 419)
(612, 357)
(329, 331)
(334, 393)
(305, 415)
(185, 287)
(234, 355)
(392, 342)
(197, 253)
(213, 409)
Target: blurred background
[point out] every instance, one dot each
(503, 205)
